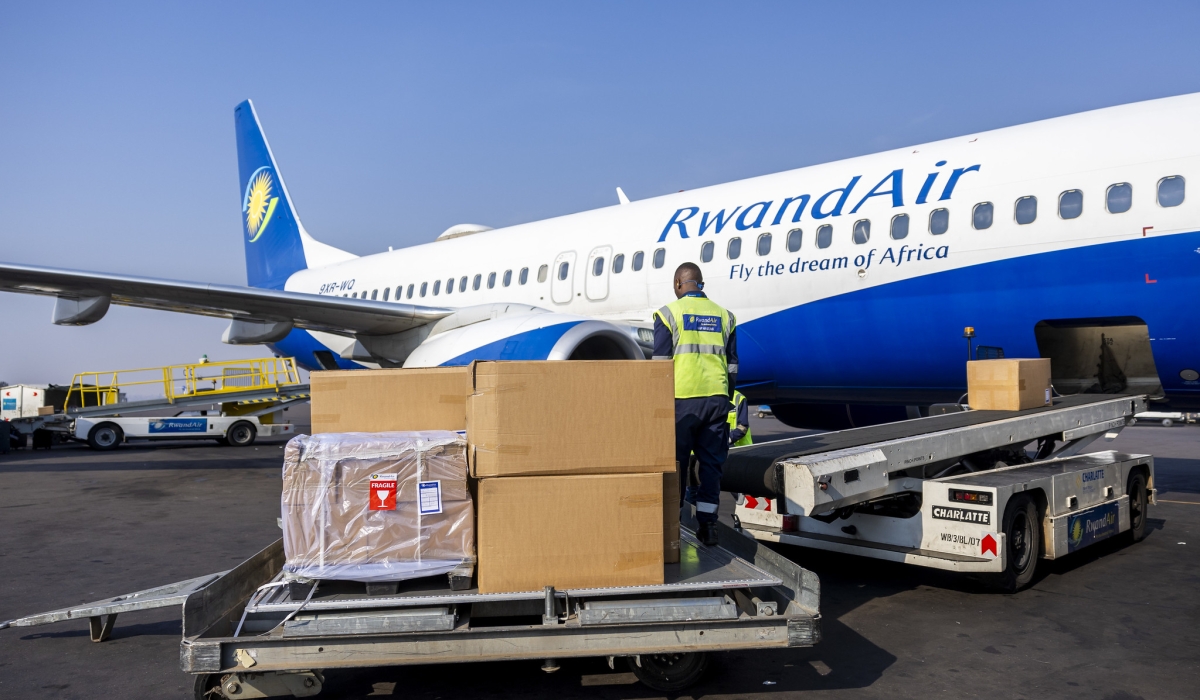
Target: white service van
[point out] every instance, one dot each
(108, 432)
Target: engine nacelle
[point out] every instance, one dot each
(524, 334)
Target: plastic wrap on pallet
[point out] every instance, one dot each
(376, 506)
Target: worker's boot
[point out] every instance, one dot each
(707, 534)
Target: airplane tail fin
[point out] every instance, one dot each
(276, 243)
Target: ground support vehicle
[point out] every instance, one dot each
(956, 491)
(108, 432)
(244, 636)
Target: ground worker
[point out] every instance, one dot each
(698, 336)
(739, 421)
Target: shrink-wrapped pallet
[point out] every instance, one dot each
(376, 506)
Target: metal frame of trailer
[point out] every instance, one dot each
(940, 491)
(244, 636)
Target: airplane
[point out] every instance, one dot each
(860, 287)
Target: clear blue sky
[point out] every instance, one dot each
(394, 121)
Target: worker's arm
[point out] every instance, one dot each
(743, 423)
(664, 344)
(731, 359)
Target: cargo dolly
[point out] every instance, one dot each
(957, 491)
(246, 636)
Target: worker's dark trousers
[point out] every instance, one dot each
(702, 427)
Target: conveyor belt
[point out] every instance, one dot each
(750, 469)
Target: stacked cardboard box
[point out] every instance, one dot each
(570, 459)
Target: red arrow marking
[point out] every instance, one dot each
(1145, 229)
(1150, 281)
(768, 505)
(751, 502)
(989, 545)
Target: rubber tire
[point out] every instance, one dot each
(1139, 502)
(206, 683)
(670, 673)
(1022, 523)
(113, 437)
(241, 434)
(1167, 422)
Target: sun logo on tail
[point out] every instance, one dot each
(258, 205)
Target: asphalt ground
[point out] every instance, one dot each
(1114, 622)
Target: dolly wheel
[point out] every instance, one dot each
(208, 687)
(1023, 541)
(1139, 499)
(106, 436)
(241, 434)
(669, 672)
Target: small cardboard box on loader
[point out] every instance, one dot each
(1008, 385)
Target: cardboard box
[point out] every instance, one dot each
(384, 400)
(376, 506)
(45, 410)
(569, 532)
(578, 417)
(671, 517)
(1008, 385)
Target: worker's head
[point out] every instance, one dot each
(688, 279)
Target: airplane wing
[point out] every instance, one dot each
(309, 311)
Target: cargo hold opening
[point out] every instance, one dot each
(1108, 355)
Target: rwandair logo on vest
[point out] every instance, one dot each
(704, 324)
(258, 206)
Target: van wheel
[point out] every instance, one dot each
(106, 436)
(1023, 545)
(241, 434)
(1139, 499)
(669, 673)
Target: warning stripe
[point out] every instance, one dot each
(755, 503)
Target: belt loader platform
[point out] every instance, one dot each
(956, 491)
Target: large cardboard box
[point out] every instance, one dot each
(383, 400)
(376, 506)
(579, 417)
(569, 532)
(1008, 385)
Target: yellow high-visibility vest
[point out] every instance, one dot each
(738, 400)
(699, 331)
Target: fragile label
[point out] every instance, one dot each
(429, 497)
(383, 492)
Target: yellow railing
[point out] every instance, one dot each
(215, 379)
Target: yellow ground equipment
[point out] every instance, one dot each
(216, 380)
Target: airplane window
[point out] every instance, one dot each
(598, 267)
(981, 216)
(542, 272)
(386, 292)
(476, 282)
(706, 251)
(1070, 204)
(734, 249)
(764, 244)
(795, 238)
(400, 291)
(638, 257)
(491, 280)
(449, 286)
(660, 257)
(862, 231)
(939, 221)
(563, 269)
(899, 227)
(508, 277)
(524, 275)
(1120, 198)
(1025, 210)
(824, 235)
(618, 263)
(1170, 191)
(410, 290)
(462, 284)
(437, 287)
(374, 294)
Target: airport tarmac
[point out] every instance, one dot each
(1114, 622)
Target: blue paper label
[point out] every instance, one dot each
(1091, 526)
(10, 405)
(429, 497)
(704, 324)
(179, 425)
